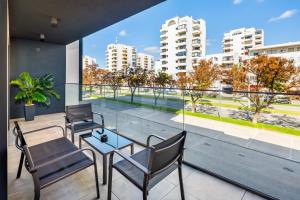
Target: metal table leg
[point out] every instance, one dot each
(104, 169)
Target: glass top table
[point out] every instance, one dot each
(114, 141)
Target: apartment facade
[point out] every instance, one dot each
(290, 50)
(120, 56)
(87, 60)
(182, 44)
(145, 61)
(238, 42)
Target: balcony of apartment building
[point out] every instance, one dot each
(227, 48)
(196, 42)
(196, 49)
(163, 57)
(163, 31)
(196, 33)
(181, 53)
(180, 47)
(181, 68)
(181, 36)
(181, 41)
(181, 29)
(163, 38)
(227, 40)
(164, 51)
(258, 32)
(163, 44)
(181, 61)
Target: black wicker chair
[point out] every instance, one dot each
(151, 165)
(80, 118)
(52, 161)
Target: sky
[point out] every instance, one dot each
(280, 20)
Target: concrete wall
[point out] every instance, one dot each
(72, 73)
(4, 38)
(72, 62)
(38, 58)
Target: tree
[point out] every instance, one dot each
(115, 80)
(158, 82)
(264, 74)
(100, 78)
(89, 76)
(203, 76)
(164, 80)
(135, 77)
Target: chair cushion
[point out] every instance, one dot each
(85, 126)
(135, 175)
(44, 152)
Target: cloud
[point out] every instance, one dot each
(152, 49)
(123, 33)
(93, 46)
(209, 42)
(286, 14)
(236, 2)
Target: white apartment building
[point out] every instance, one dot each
(157, 66)
(215, 58)
(236, 44)
(120, 56)
(290, 50)
(182, 43)
(145, 61)
(87, 60)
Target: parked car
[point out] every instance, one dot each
(284, 99)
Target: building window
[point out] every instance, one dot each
(181, 53)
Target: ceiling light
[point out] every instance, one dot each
(42, 37)
(53, 21)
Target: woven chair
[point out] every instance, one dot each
(148, 167)
(80, 118)
(52, 161)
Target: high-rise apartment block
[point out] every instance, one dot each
(182, 44)
(145, 61)
(236, 44)
(120, 57)
(87, 60)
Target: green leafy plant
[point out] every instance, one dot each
(35, 90)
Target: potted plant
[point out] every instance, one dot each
(34, 91)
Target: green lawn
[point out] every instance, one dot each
(270, 127)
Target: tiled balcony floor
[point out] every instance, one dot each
(198, 186)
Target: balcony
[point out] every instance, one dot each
(163, 38)
(225, 156)
(196, 33)
(236, 148)
(181, 42)
(163, 31)
(210, 144)
(181, 37)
